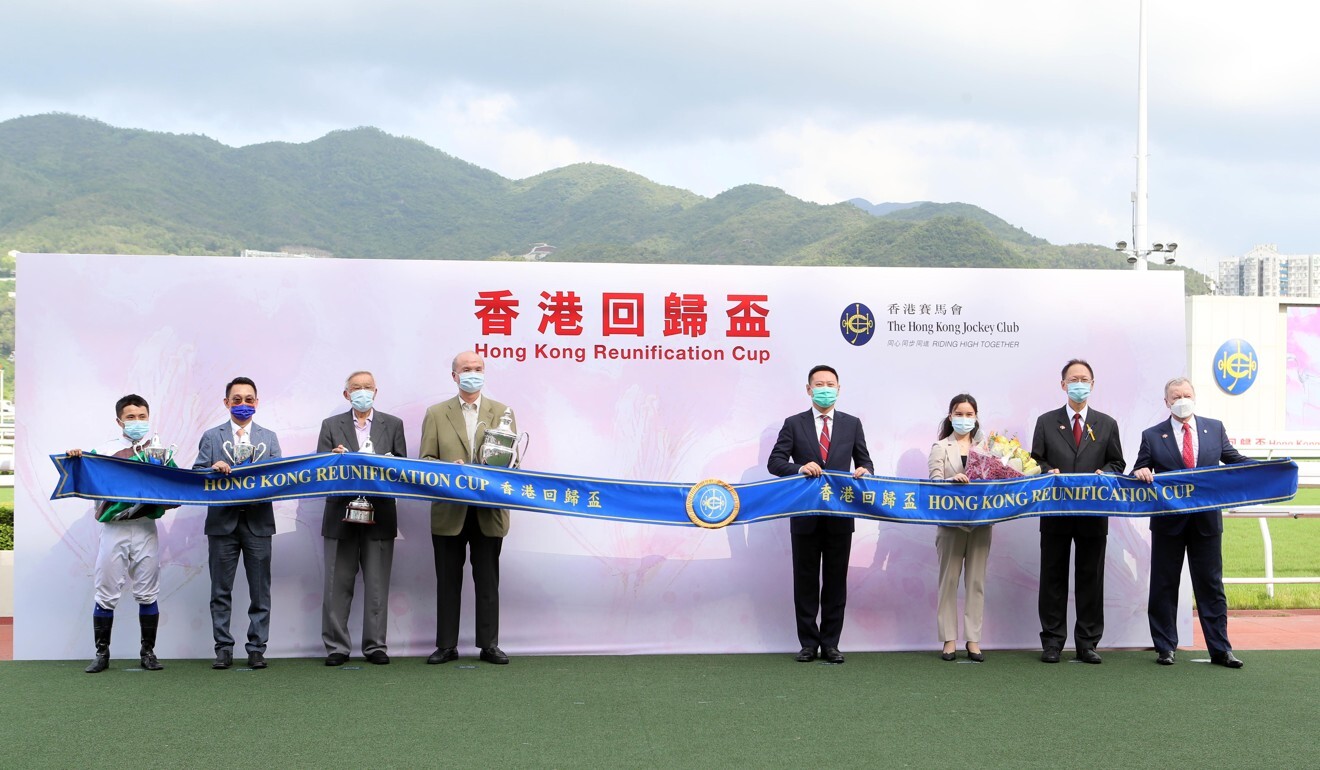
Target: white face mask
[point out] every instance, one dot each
(1183, 408)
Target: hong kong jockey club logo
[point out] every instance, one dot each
(857, 324)
(712, 504)
(1235, 366)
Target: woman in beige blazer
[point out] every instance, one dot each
(963, 550)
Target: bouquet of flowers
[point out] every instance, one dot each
(1000, 458)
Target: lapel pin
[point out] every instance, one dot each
(1164, 435)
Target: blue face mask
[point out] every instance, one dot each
(471, 382)
(362, 400)
(963, 425)
(243, 412)
(136, 429)
(1078, 392)
(824, 397)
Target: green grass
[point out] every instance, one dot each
(1296, 554)
(877, 710)
(6, 495)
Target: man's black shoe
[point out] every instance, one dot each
(378, 657)
(494, 655)
(256, 660)
(1088, 656)
(1049, 655)
(336, 659)
(831, 655)
(805, 655)
(1226, 659)
(1165, 658)
(443, 655)
(223, 659)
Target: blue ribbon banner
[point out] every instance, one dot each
(710, 504)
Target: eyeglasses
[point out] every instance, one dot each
(236, 400)
(1081, 380)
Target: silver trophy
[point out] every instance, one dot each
(155, 452)
(243, 452)
(502, 446)
(360, 510)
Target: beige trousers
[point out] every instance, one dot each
(965, 553)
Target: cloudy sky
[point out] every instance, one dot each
(1025, 107)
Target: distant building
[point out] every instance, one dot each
(539, 251)
(1264, 272)
(286, 254)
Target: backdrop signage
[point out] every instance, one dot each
(664, 374)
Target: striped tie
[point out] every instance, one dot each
(825, 437)
(1189, 456)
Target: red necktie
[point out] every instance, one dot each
(1077, 429)
(1189, 456)
(825, 437)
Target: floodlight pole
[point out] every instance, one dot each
(1140, 240)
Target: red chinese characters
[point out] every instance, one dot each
(747, 317)
(496, 309)
(563, 311)
(685, 314)
(623, 314)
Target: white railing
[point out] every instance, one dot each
(1308, 476)
(1264, 513)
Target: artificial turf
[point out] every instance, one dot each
(876, 710)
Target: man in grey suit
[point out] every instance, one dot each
(239, 529)
(452, 431)
(350, 546)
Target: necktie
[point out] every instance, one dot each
(242, 435)
(1077, 429)
(825, 437)
(1189, 456)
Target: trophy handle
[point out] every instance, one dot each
(228, 448)
(521, 446)
(258, 451)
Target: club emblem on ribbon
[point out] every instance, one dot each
(712, 504)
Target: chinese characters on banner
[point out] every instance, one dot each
(623, 315)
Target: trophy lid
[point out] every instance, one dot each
(505, 427)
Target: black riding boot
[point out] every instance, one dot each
(149, 624)
(101, 632)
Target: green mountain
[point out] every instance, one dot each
(72, 184)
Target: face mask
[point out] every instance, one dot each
(824, 397)
(136, 429)
(963, 425)
(362, 400)
(471, 382)
(1183, 408)
(1078, 392)
(243, 412)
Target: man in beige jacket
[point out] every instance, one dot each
(452, 431)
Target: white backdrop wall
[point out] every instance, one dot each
(175, 329)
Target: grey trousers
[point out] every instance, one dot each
(343, 559)
(223, 552)
(964, 552)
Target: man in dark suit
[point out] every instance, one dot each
(1186, 441)
(1074, 439)
(350, 545)
(820, 439)
(239, 529)
(452, 431)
